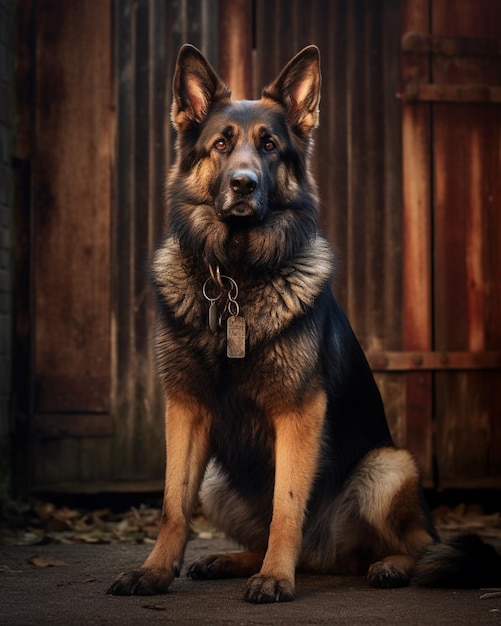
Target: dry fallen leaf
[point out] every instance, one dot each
(45, 561)
(491, 594)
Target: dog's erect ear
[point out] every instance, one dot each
(297, 87)
(196, 86)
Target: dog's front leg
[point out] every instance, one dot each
(187, 442)
(297, 444)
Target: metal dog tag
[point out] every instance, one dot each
(213, 320)
(235, 337)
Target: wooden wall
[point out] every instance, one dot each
(466, 196)
(410, 195)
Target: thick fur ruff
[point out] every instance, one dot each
(292, 438)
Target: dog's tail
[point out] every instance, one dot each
(463, 562)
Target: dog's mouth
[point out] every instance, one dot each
(242, 209)
(241, 214)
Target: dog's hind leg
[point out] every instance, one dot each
(187, 438)
(395, 570)
(386, 483)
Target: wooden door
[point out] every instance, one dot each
(71, 218)
(71, 229)
(452, 235)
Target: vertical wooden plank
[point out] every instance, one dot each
(467, 162)
(161, 68)
(474, 264)
(122, 241)
(391, 26)
(417, 273)
(21, 398)
(72, 162)
(392, 385)
(138, 210)
(235, 57)
(331, 152)
(359, 178)
(143, 168)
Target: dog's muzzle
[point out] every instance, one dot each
(243, 198)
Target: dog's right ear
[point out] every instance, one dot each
(196, 87)
(297, 88)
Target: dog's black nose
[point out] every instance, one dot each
(244, 182)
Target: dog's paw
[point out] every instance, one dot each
(140, 582)
(209, 567)
(262, 589)
(384, 575)
(226, 565)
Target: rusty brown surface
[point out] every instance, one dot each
(72, 192)
(417, 247)
(467, 197)
(235, 56)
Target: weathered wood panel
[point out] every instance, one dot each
(72, 205)
(71, 212)
(467, 226)
(417, 245)
(236, 30)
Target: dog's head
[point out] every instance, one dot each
(242, 166)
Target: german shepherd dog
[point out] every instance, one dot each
(268, 393)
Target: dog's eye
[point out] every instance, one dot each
(269, 145)
(220, 145)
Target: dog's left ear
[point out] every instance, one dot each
(297, 87)
(195, 88)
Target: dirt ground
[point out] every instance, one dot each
(66, 584)
(57, 560)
